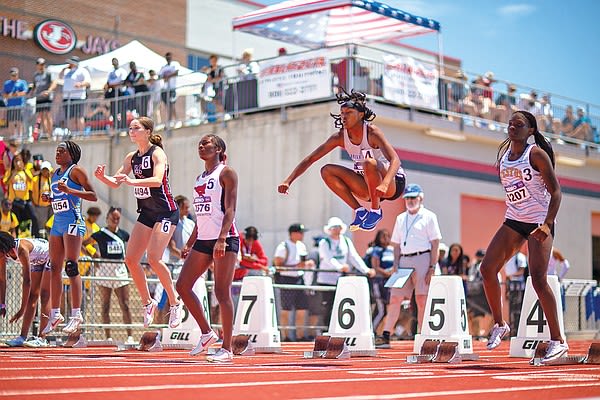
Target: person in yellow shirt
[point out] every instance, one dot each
(8, 219)
(18, 183)
(41, 184)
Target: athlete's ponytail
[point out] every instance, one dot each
(148, 124)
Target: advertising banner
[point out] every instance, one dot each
(411, 82)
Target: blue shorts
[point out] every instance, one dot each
(59, 228)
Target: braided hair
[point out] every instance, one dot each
(220, 143)
(7, 242)
(74, 150)
(540, 140)
(355, 100)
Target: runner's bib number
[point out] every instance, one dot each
(60, 206)
(141, 192)
(19, 186)
(516, 193)
(114, 248)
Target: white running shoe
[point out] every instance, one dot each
(36, 342)
(149, 312)
(175, 315)
(53, 322)
(221, 356)
(205, 341)
(73, 324)
(498, 332)
(556, 349)
(130, 340)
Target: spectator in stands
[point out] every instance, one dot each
(42, 81)
(546, 119)
(473, 101)
(116, 90)
(136, 85)
(558, 264)
(291, 259)
(456, 92)
(247, 67)
(8, 220)
(505, 105)
(168, 73)
(76, 82)
(566, 125)
(14, 92)
(19, 187)
(213, 87)
(254, 260)
(155, 85)
(110, 242)
(530, 103)
(582, 127)
(41, 204)
(454, 264)
(337, 255)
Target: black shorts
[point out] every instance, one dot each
(73, 108)
(400, 184)
(292, 298)
(169, 96)
(149, 219)
(43, 106)
(232, 244)
(524, 228)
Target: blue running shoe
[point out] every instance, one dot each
(370, 222)
(16, 342)
(358, 219)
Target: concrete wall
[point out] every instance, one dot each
(263, 148)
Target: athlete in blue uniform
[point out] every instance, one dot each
(376, 175)
(69, 185)
(158, 217)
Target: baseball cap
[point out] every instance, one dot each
(46, 164)
(296, 228)
(412, 190)
(14, 70)
(40, 61)
(73, 60)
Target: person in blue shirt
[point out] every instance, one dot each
(582, 127)
(14, 92)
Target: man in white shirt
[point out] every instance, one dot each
(338, 255)
(416, 239)
(168, 73)
(114, 89)
(76, 82)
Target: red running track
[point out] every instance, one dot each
(103, 373)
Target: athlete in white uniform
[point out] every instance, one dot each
(158, 214)
(533, 197)
(215, 239)
(33, 256)
(376, 175)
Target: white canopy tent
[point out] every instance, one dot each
(145, 60)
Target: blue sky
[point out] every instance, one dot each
(548, 45)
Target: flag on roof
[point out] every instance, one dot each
(320, 23)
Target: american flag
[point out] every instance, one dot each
(320, 23)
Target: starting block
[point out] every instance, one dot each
(76, 340)
(241, 346)
(440, 352)
(329, 347)
(150, 341)
(593, 356)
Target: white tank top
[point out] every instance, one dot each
(209, 207)
(527, 199)
(39, 254)
(358, 153)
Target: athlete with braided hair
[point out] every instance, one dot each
(377, 174)
(69, 186)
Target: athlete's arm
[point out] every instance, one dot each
(335, 140)
(80, 177)
(378, 140)
(125, 169)
(540, 161)
(160, 166)
(229, 182)
(23, 255)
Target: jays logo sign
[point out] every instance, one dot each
(55, 36)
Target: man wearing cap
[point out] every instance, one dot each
(14, 92)
(42, 82)
(39, 185)
(76, 82)
(337, 255)
(416, 239)
(291, 259)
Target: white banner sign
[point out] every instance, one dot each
(294, 78)
(408, 81)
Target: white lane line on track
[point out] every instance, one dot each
(496, 375)
(71, 391)
(455, 392)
